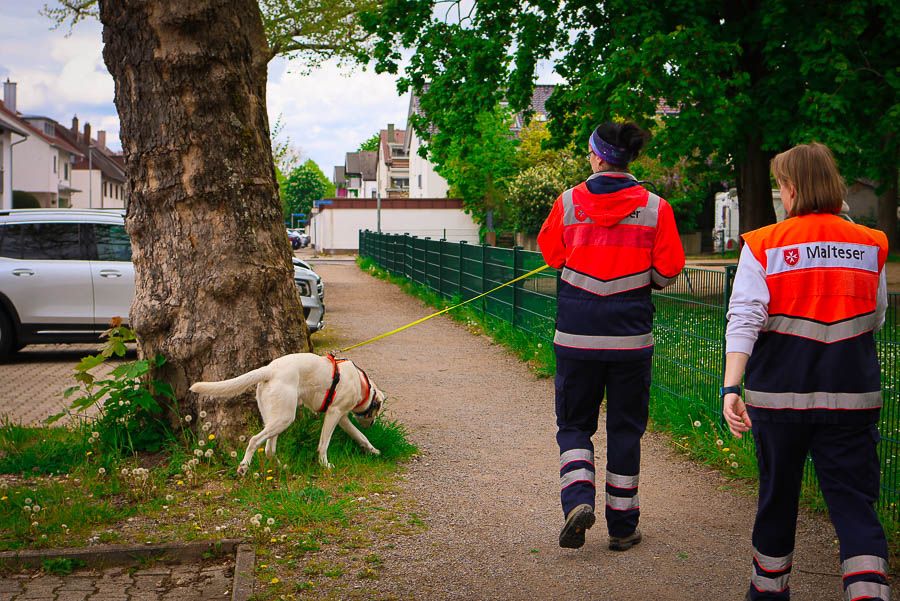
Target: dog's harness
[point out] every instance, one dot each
(369, 390)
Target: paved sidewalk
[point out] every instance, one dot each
(194, 582)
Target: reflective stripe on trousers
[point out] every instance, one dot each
(581, 475)
(573, 455)
(773, 564)
(583, 341)
(813, 400)
(864, 564)
(624, 483)
(867, 590)
(818, 331)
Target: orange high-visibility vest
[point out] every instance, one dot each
(816, 351)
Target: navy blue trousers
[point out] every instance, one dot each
(847, 467)
(580, 389)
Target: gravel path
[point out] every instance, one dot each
(487, 480)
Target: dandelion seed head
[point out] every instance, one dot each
(34, 524)
(233, 453)
(188, 418)
(101, 471)
(201, 443)
(208, 453)
(242, 438)
(36, 508)
(697, 424)
(734, 464)
(270, 521)
(198, 452)
(720, 442)
(28, 501)
(170, 498)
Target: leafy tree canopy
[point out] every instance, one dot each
(309, 30)
(748, 81)
(303, 185)
(370, 145)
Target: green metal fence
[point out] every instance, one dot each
(689, 325)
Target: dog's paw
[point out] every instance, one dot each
(374, 451)
(243, 469)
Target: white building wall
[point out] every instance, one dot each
(370, 188)
(86, 181)
(338, 229)
(33, 166)
(5, 173)
(424, 182)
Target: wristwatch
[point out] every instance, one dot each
(729, 390)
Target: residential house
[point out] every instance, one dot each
(41, 164)
(99, 174)
(359, 175)
(12, 131)
(392, 172)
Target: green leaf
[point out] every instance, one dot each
(89, 362)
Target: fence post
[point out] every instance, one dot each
(517, 265)
(459, 272)
(440, 281)
(484, 248)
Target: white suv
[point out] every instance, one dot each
(64, 273)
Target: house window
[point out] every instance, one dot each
(420, 180)
(48, 129)
(66, 170)
(374, 193)
(54, 163)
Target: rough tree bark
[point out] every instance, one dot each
(214, 283)
(754, 188)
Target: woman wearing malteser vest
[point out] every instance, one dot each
(808, 294)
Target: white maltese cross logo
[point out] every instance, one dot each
(791, 256)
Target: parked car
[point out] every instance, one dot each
(295, 238)
(320, 287)
(304, 240)
(64, 273)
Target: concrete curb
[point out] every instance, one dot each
(103, 556)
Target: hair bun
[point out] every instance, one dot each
(632, 138)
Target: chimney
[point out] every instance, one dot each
(87, 134)
(9, 94)
(101, 138)
(390, 135)
(75, 126)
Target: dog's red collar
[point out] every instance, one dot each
(335, 378)
(366, 386)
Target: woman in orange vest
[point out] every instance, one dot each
(808, 294)
(614, 241)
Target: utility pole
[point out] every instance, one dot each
(378, 209)
(90, 178)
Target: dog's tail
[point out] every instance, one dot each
(234, 386)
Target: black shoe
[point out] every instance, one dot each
(623, 543)
(578, 521)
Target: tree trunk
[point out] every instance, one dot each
(754, 188)
(214, 282)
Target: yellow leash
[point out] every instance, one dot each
(441, 312)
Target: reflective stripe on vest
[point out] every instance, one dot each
(570, 478)
(600, 343)
(622, 503)
(867, 590)
(813, 400)
(821, 332)
(574, 455)
(623, 482)
(765, 584)
(647, 215)
(661, 280)
(773, 564)
(604, 287)
(864, 564)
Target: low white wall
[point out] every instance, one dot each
(338, 229)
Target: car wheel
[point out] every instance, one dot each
(7, 336)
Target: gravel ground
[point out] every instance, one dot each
(486, 482)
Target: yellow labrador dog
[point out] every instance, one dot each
(335, 387)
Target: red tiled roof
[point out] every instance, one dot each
(51, 140)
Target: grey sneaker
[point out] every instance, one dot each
(623, 543)
(578, 521)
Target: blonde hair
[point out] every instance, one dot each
(812, 171)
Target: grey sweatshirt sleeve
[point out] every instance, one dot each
(749, 307)
(881, 301)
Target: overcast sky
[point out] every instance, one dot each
(324, 114)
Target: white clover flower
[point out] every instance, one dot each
(188, 418)
(198, 452)
(697, 424)
(203, 414)
(208, 453)
(101, 471)
(201, 443)
(270, 521)
(233, 454)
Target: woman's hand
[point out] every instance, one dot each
(735, 413)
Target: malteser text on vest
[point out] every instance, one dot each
(834, 252)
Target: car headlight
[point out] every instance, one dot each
(303, 287)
